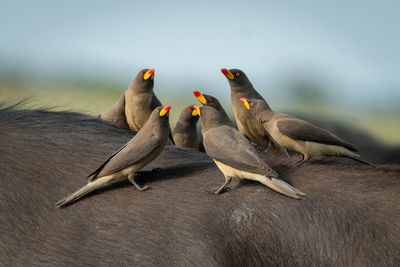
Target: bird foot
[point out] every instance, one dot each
(217, 192)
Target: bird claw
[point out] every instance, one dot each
(216, 192)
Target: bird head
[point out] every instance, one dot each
(207, 100)
(189, 114)
(144, 80)
(254, 105)
(235, 77)
(163, 111)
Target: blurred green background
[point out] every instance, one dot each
(338, 61)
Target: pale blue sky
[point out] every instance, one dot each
(351, 45)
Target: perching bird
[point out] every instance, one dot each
(143, 148)
(235, 156)
(116, 115)
(140, 100)
(246, 123)
(299, 135)
(208, 100)
(185, 132)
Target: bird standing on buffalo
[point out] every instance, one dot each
(185, 132)
(299, 135)
(246, 123)
(116, 115)
(235, 156)
(208, 100)
(140, 100)
(143, 148)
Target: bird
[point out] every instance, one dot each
(241, 87)
(185, 132)
(140, 100)
(143, 148)
(300, 136)
(116, 115)
(235, 156)
(211, 101)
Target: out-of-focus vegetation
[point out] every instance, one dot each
(92, 98)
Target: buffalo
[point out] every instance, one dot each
(350, 216)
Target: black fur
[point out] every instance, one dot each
(350, 216)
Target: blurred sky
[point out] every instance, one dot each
(349, 48)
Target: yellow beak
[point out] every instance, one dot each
(195, 113)
(200, 97)
(228, 74)
(245, 103)
(196, 110)
(165, 111)
(148, 74)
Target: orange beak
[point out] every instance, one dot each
(245, 103)
(200, 97)
(165, 111)
(148, 74)
(228, 74)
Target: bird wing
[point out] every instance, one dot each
(302, 130)
(225, 144)
(138, 148)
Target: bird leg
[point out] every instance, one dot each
(131, 178)
(223, 187)
(284, 152)
(300, 162)
(268, 147)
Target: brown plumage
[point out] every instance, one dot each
(140, 100)
(185, 132)
(235, 156)
(116, 115)
(299, 135)
(241, 87)
(143, 148)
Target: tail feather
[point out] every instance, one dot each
(295, 189)
(281, 187)
(90, 187)
(359, 159)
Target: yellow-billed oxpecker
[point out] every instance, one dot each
(299, 135)
(246, 123)
(140, 100)
(235, 156)
(185, 132)
(143, 148)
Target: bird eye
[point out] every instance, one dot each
(251, 104)
(141, 73)
(210, 100)
(237, 74)
(157, 110)
(189, 110)
(202, 112)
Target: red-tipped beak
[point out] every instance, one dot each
(165, 110)
(200, 97)
(148, 74)
(245, 103)
(227, 74)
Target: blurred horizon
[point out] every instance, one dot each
(337, 60)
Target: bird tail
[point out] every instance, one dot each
(281, 187)
(358, 158)
(90, 187)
